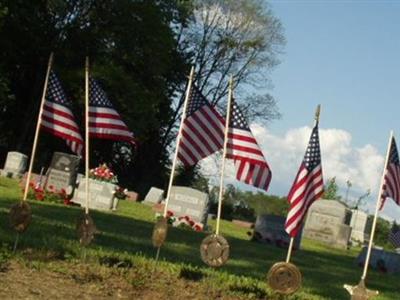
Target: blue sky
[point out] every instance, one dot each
(344, 55)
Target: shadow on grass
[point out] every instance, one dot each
(53, 227)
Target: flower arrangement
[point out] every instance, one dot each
(182, 222)
(120, 192)
(103, 173)
(50, 195)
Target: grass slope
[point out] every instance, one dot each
(124, 236)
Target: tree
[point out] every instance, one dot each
(133, 53)
(331, 190)
(223, 38)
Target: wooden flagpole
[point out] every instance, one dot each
(33, 153)
(87, 134)
(171, 177)
(290, 248)
(221, 182)
(371, 239)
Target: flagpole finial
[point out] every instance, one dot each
(87, 63)
(317, 113)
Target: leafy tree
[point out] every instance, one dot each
(331, 190)
(246, 205)
(239, 38)
(382, 231)
(133, 52)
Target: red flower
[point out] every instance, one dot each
(31, 184)
(67, 202)
(39, 196)
(191, 223)
(169, 214)
(197, 227)
(51, 187)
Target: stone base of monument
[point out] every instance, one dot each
(10, 174)
(101, 195)
(381, 260)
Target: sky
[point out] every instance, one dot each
(344, 55)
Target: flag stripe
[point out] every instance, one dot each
(391, 184)
(202, 130)
(57, 117)
(307, 186)
(242, 147)
(104, 120)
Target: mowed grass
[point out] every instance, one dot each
(127, 234)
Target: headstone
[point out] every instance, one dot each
(361, 226)
(101, 195)
(62, 172)
(328, 221)
(380, 260)
(189, 202)
(132, 196)
(15, 165)
(155, 195)
(271, 229)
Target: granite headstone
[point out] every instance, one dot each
(154, 196)
(328, 221)
(62, 172)
(101, 195)
(271, 229)
(380, 260)
(361, 226)
(185, 201)
(15, 165)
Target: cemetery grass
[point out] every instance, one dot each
(50, 264)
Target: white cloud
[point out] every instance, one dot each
(340, 159)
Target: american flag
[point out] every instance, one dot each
(307, 187)
(202, 130)
(394, 236)
(242, 147)
(391, 184)
(57, 117)
(104, 121)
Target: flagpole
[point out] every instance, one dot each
(316, 122)
(87, 134)
(171, 177)
(221, 182)
(289, 253)
(28, 177)
(367, 258)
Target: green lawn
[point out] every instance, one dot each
(126, 234)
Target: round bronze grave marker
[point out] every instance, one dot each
(284, 278)
(214, 250)
(20, 216)
(85, 229)
(160, 232)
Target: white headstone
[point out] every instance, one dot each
(189, 202)
(360, 226)
(101, 195)
(155, 195)
(328, 221)
(16, 163)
